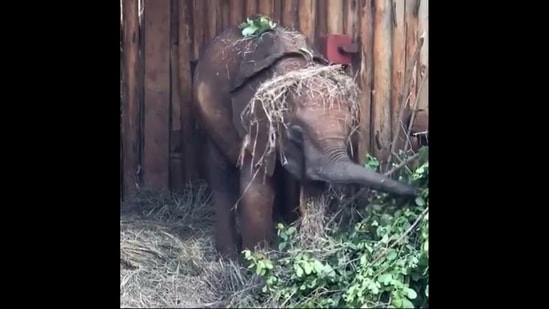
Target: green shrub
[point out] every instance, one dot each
(381, 259)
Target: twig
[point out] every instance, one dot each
(414, 109)
(395, 155)
(408, 231)
(402, 164)
(406, 90)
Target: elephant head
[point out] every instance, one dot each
(288, 103)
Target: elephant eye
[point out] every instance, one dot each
(295, 134)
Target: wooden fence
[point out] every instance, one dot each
(160, 39)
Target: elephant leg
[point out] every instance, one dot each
(255, 209)
(223, 180)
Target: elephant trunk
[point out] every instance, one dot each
(347, 172)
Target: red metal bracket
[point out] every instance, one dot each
(338, 48)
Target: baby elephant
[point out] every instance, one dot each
(267, 99)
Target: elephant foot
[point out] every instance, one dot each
(226, 248)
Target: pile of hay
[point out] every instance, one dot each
(328, 85)
(167, 255)
(168, 258)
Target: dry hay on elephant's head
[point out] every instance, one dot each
(328, 85)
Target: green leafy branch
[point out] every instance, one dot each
(257, 26)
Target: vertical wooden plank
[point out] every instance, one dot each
(365, 80)
(237, 8)
(411, 43)
(344, 16)
(266, 7)
(381, 104)
(157, 94)
(184, 93)
(277, 10)
(210, 21)
(206, 23)
(423, 20)
(251, 8)
(176, 166)
(321, 19)
(130, 106)
(198, 27)
(399, 60)
(307, 18)
(335, 13)
(351, 27)
(289, 14)
(225, 11)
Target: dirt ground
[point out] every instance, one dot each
(167, 257)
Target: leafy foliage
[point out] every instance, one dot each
(381, 260)
(257, 26)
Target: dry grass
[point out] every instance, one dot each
(168, 259)
(167, 256)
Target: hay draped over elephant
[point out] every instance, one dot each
(273, 102)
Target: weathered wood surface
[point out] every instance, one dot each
(307, 17)
(265, 7)
(381, 104)
(199, 17)
(365, 80)
(130, 103)
(334, 13)
(251, 7)
(399, 59)
(157, 94)
(289, 13)
(423, 20)
(236, 14)
(411, 43)
(181, 99)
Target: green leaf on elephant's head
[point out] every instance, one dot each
(250, 30)
(257, 26)
(420, 201)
